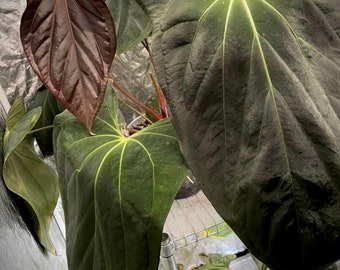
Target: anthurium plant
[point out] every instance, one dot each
(253, 92)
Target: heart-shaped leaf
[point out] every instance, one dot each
(26, 174)
(71, 45)
(253, 87)
(116, 190)
(132, 23)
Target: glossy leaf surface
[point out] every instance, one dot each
(132, 24)
(253, 88)
(71, 45)
(26, 174)
(116, 190)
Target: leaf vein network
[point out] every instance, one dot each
(115, 138)
(272, 92)
(95, 150)
(107, 154)
(114, 128)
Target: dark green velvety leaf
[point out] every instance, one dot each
(253, 87)
(116, 190)
(50, 108)
(132, 23)
(26, 174)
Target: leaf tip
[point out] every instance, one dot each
(91, 132)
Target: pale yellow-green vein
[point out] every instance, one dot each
(196, 31)
(296, 36)
(113, 127)
(281, 17)
(95, 187)
(91, 138)
(152, 164)
(120, 195)
(113, 108)
(97, 149)
(269, 81)
(205, 12)
(227, 20)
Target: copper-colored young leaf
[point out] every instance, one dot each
(70, 44)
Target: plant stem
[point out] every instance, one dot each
(160, 97)
(148, 49)
(136, 101)
(40, 129)
(159, 92)
(133, 109)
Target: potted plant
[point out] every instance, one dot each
(252, 88)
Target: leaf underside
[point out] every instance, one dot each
(116, 191)
(26, 174)
(253, 87)
(71, 45)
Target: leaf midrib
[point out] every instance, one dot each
(124, 144)
(272, 91)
